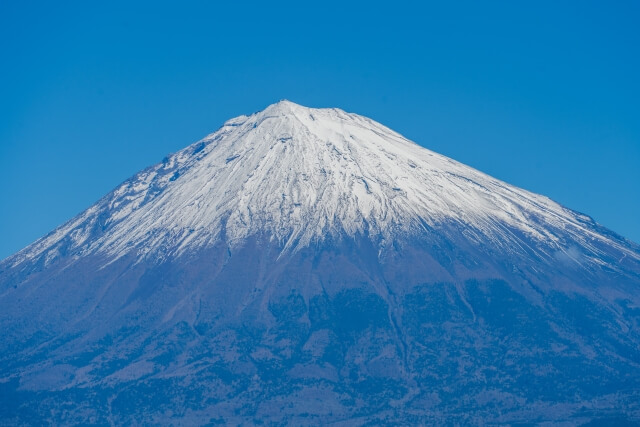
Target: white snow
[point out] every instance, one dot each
(298, 175)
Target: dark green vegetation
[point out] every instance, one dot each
(467, 353)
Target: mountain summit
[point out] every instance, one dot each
(302, 175)
(306, 265)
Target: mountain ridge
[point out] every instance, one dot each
(318, 196)
(236, 282)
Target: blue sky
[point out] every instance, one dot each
(545, 95)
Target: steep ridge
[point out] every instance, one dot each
(315, 260)
(300, 174)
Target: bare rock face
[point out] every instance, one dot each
(311, 266)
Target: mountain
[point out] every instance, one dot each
(311, 266)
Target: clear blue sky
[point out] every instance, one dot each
(545, 95)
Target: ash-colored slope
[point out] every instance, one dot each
(299, 175)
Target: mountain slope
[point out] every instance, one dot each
(301, 174)
(307, 265)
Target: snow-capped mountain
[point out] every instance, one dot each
(300, 175)
(328, 267)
